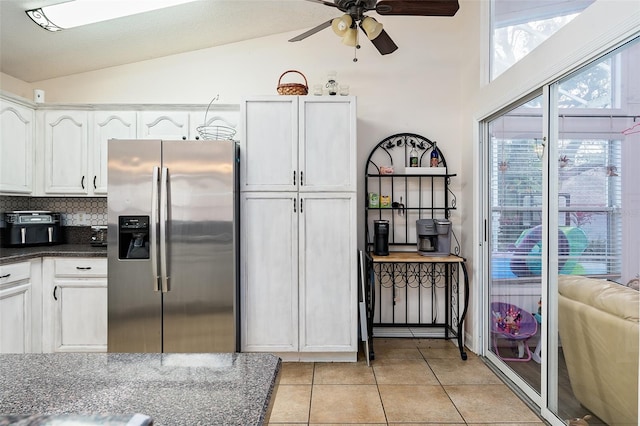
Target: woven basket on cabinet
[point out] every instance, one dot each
(292, 88)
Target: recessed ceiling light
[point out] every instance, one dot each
(75, 13)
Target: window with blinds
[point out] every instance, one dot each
(593, 113)
(589, 177)
(589, 197)
(516, 192)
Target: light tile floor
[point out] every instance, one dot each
(410, 382)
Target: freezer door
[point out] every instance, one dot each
(134, 305)
(199, 313)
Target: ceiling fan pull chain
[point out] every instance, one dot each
(356, 47)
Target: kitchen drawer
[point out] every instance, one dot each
(80, 267)
(14, 272)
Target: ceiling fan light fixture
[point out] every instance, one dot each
(351, 37)
(341, 25)
(371, 27)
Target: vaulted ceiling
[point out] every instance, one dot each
(30, 53)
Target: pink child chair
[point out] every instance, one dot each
(512, 323)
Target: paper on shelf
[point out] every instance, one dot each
(425, 170)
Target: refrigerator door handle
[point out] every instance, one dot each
(153, 226)
(164, 199)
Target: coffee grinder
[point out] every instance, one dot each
(433, 237)
(381, 237)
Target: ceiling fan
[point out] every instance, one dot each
(346, 26)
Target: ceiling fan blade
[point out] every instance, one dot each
(384, 44)
(418, 7)
(312, 31)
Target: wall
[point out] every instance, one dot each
(15, 86)
(415, 89)
(474, 71)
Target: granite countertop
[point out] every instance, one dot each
(10, 255)
(172, 389)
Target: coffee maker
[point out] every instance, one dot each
(381, 237)
(433, 237)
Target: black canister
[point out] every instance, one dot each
(381, 237)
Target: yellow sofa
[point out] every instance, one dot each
(598, 326)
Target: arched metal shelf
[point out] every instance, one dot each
(427, 194)
(405, 289)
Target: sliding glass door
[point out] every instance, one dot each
(595, 258)
(514, 235)
(562, 198)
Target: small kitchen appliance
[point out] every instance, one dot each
(99, 236)
(433, 237)
(31, 228)
(381, 237)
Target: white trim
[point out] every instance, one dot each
(486, 55)
(600, 27)
(549, 383)
(479, 298)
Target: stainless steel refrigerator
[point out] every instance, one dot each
(172, 246)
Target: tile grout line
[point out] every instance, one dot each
(313, 383)
(441, 385)
(373, 371)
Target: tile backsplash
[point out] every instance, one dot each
(75, 211)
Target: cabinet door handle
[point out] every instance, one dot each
(294, 178)
(301, 178)
(54, 292)
(82, 182)
(94, 182)
(301, 200)
(294, 205)
(83, 268)
(5, 276)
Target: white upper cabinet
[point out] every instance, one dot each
(66, 147)
(108, 125)
(168, 125)
(298, 143)
(215, 123)
(69, 147)
(327, 144)
(16, 148)
(269, 144)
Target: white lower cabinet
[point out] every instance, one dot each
(269, 272)
(298, 275)
(15, 308)
(75, 304)
(327, 254)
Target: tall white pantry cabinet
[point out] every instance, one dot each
(298, 227)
